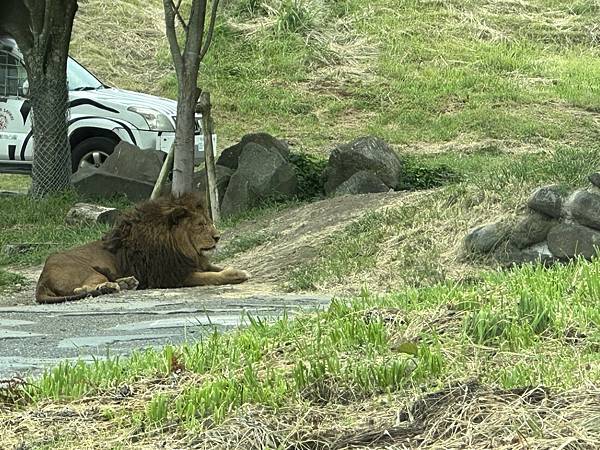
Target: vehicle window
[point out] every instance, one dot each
(12, 75)
(79, 78)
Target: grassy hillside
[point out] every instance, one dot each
(416, 72)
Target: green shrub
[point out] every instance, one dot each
(310, 170)
(417, 175)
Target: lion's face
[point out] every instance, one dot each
(192, 229)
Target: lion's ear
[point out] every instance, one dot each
(113, 239)
(177, 214)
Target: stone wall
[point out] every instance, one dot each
(558, 226)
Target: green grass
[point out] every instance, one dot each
(319, 72)
(525, 327)
(41, 223)
(489, 99)
(10, 281)
(18, 183)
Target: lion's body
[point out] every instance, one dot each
(158, 244)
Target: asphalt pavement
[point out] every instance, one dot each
(34, 337)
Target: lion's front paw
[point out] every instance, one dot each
(108, 288)
(128, 283)
(235, 275)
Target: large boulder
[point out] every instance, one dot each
(486, 238)
(530, 229)
(569, 240)
(362, 182)
(129, 170)
(547, 200)
(231, 155)
(223, 176)
(595, 179)
(584, 207)
(366, 153)
(262, 174)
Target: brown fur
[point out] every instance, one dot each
(157, 244)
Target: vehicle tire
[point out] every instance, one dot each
(92, 152)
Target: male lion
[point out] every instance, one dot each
(161, 243)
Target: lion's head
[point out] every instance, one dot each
(161, 241)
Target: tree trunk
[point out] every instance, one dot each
(51, 171)
(183, 164)
(187, 64)
(42, 30)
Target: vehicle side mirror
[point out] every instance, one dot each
(24, 89)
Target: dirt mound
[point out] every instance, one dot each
(294, 236)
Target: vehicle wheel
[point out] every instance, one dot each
(92, 152)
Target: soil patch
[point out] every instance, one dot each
(296, 235)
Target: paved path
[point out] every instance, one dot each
(33, 337)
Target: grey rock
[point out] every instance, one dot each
(238, 197)
(584, 207)
(102, 184)
(129, 161)
(362, 182)
(530, 229)
(365, 153)
(129, 171)
(223, 176)
(262, 174)
(595, 179)
(547, 200)
(486, 238)
(231, 155)
(569, 240)
(87, 213)
(509, 256)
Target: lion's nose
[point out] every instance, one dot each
(216, 237)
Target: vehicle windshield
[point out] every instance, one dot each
(80, 79)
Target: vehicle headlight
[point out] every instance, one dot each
(156, 120)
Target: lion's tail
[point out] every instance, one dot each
(45, 295)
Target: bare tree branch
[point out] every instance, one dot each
(179, 17)
(196, 32)
(211, 28)
(172, 37)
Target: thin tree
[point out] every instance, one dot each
(42, 30)
(187, 55)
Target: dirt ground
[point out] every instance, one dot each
(295, 236)
(297, 233)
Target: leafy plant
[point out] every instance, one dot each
(420, 176)
(310, 170)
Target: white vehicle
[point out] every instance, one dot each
(99, 116)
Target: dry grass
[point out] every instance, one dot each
(121, 41)
(461, 415)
